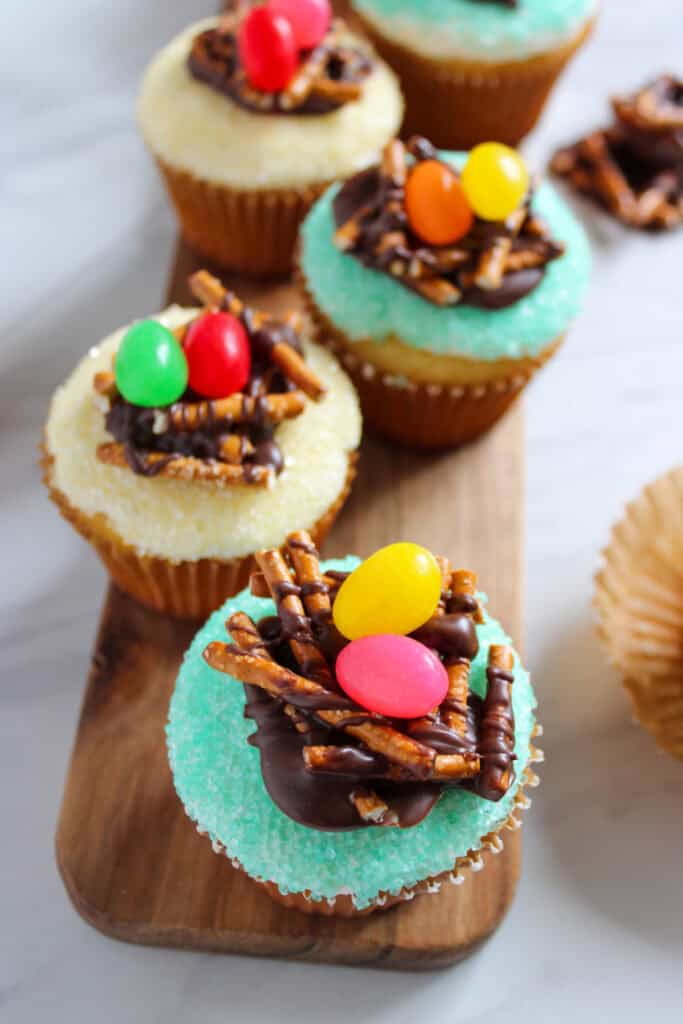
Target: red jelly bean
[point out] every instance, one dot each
(267, 49)
(218, 355)
(392, 675)
(310, 19)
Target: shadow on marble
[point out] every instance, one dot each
(609, 800)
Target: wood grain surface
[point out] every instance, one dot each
(132, 862)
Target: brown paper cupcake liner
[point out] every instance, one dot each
(639, 603)
(457, 103)
(474, 860)
(429, 416)
(186, 589)
(250, 230)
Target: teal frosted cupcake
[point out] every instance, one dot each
(442, 281)
(473, 70)
(351, 772)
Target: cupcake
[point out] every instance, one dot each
(639, 602)
(634, 167)
(182, 444)
(249, 117)
(473, 70)
(382, 737)
(443, 281)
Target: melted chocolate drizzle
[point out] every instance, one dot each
(368, 190)
(323, 800)
(134, 425)
(214, 60)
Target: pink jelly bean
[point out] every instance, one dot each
(310, 19)
(392, 675)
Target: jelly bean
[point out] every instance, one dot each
(495, 179)
(392, 675)
(438, 211)
(310, 19)
(218, 355)
(394, 591)
(150, 365)
(267, 49)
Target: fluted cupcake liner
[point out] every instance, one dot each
(474, 860)
(184, 589)
(458, 103)
(428, 416)
(250, 230)
(639, 603)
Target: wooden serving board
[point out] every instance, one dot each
(131, 860)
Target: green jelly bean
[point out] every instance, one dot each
(151, 368)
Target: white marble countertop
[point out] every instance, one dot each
(597, 927)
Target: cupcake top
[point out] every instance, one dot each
(222, 99)
(384, 703)
(204, 433)
(634, 168)
(456, 254)
(478, 30)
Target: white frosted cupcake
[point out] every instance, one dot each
(177, 494)
(245, 152)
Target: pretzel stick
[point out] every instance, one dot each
(259, 587)
(439, 290)
(421, 761)
(491, 267)
(454, 709)
(186, 467)
(208, 289)
(295, 624)
(245, 633)
(301, 85)
(446, 572)
(372, 808)
(497, 730)
(294, 367)
(337, 90)
(104, 383)
(304, 558)
(238, 408)
(234, 448)
(393, 163)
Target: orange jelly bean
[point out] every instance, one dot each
(437, 208)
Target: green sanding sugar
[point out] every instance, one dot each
(218, 778)
(367, 304)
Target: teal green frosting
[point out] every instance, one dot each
(218, 778)
(488, 24)
(368, 304)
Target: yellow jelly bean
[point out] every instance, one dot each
(394, 591)
(495, 180)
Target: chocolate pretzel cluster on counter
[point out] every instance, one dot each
(327, 76)
(634, 168)
(224, 441)
(332, 764)
(492, 266)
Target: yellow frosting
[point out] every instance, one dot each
(198, 130)
(185, 520)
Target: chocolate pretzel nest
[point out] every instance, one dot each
(634, 168)
(494, 265)
(224, 441)
(329, 76)
(329, 763)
